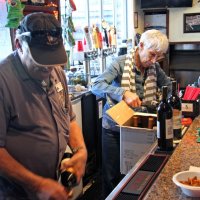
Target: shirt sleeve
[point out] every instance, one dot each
(3, 121)
(108, 83)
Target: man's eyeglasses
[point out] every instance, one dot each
(44, 37)
(43, 33)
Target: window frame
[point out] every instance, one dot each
(114, 20)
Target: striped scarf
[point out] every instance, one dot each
(128, 79)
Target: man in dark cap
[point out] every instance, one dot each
(37, 121)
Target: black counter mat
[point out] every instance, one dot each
(143, 178)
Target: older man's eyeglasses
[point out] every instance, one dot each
(156, 56)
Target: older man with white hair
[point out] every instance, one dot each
(135, 78)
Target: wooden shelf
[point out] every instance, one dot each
(52, 8)
(47, 9)
(155, 11)
(185, 42)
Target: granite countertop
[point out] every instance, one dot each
(185, 155)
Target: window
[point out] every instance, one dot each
(5, 39)
(80, 18)
(121, 20)
(89, 12)
(108, 11)
(95, 13)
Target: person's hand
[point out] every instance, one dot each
(132, 99)
(77, 162)
(49, 189)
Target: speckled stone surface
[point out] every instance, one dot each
(186, 154)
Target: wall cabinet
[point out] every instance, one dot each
(184, 63)
(157, 19)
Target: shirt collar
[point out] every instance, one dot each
(19, 67)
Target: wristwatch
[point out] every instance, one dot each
(76, 149)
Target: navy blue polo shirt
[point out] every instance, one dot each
(34, 125)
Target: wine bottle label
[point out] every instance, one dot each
(169, 128)
(177, 119)
(158, 129)
(187, 107)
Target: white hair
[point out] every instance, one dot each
(156, 40)
(19, 35)
(21, 38)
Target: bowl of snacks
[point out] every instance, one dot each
(189, 182)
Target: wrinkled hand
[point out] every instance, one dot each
(49, 189)
(132, 99)
(77, 162)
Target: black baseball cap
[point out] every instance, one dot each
(43, 33)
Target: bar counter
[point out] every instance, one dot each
(186, 154)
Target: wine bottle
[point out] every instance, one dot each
(135, 121)
(175, 103)
(164, 123)
(150, 122)
(67, 176)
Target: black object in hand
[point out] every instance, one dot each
(67, 177)
(151, 107)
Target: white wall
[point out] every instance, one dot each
(176, 24)
(134, 6)
(140, 28)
